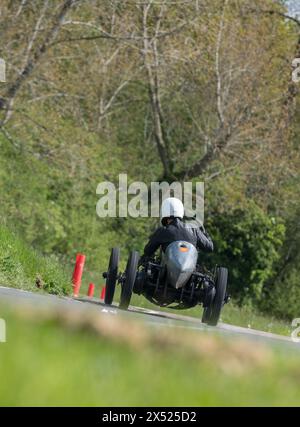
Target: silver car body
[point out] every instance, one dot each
(180, 260)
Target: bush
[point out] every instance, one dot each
(282, 291)
(282, 297)
(246, 240)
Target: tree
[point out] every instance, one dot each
(34, 53)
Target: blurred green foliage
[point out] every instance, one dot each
(47, 363)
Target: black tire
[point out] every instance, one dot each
(130, 275)
(112, 275)
(212, 314)
(205, 315)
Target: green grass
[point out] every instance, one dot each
(23, 267)
(249, 318)
(45, 361)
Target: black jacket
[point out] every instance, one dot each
(178, 230)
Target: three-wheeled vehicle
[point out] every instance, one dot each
(173, 279)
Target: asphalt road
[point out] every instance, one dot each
(153, 318)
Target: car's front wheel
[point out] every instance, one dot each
(128, 283)
(112, 275)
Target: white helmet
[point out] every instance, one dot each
(172, 207)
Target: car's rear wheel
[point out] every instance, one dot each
(112, 275)
(212, 313)
(128, 283)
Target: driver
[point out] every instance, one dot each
(173, 229)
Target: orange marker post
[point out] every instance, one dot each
(103, 293)
(77, 275)
(91, 290)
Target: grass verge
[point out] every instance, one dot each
(60, 358)
(23, 267)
